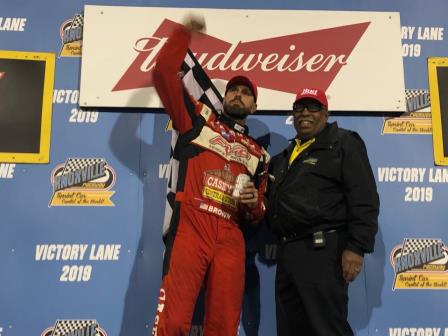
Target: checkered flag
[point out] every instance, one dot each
(415, 93)
(173, 168)
(411, 245)
(75, 327)
(73, 164)
(199, 84)
(78, 21)
(201, 88)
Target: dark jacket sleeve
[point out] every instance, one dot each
(361, 195)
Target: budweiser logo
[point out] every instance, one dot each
(282, 63)
(309, 91)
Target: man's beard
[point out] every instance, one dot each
(237, 112)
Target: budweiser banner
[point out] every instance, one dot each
(355, 56)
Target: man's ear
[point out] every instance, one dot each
(253, 108)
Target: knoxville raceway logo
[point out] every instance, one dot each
(71, 32)
(420, 263)
(82, 182)
(75, 328)
(275, 63)
(416, 120)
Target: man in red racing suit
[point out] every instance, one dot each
(204, 244)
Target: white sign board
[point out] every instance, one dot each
(355, 57)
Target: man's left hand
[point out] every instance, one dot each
(249, 195)
(351, 265)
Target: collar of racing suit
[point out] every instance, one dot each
(233, 124)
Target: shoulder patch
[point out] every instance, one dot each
(206, 112)
(311, 161)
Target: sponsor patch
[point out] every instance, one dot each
(219, 197)
(218, 186)
(311, 161)
(214, 210)
(231, 151)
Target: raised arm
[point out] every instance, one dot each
(176, 101)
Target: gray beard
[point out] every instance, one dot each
(236, 112)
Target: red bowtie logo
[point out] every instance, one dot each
(283, 63)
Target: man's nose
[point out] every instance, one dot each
(305, 111)
(237, 95)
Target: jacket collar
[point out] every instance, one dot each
(328, 135)
(325, 138)
(233, 124)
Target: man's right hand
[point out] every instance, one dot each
(249, 195)
(194, 23)
(351, 265)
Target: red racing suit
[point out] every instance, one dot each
(204, 244)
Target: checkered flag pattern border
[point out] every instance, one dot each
(199, 84)
(64, 327)
(411, 245)
(78, 21)
(172, 183)
(415, 93)
(201, 88)
(73, 164)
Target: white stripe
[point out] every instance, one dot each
(192, 86)
(189, 61)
